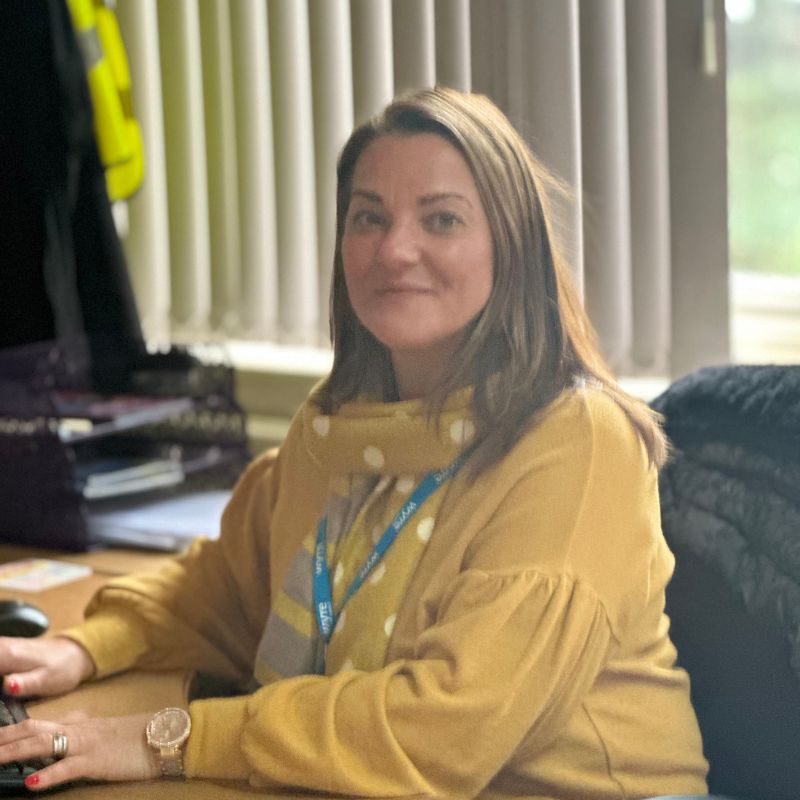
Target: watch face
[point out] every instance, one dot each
(169, 727)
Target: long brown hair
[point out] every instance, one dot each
(533, 339)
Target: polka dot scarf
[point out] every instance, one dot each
(375, 455)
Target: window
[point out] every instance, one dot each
(764, 178)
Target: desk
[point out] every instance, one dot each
(130, 693)
(64, 604)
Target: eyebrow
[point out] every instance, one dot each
(425, 200)
(373, 197)
(428, 199)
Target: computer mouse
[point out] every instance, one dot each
(21, 619)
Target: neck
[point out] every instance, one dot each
(418, 373)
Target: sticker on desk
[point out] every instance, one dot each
(37, 574)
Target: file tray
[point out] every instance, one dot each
(68, 453)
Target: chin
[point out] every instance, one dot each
(408, 345)
(410, 337)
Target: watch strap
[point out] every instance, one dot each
(171, 761)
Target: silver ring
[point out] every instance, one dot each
(60, 745)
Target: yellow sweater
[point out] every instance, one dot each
(529, 658)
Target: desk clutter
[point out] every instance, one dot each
(150, 463)
(39, 574)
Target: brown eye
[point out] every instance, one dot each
(442, 222)
(366, 219)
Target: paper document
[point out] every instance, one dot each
(163, 524)
(85, 415)
(114, 477)
(36, 574)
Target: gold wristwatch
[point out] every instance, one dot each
(166, 733)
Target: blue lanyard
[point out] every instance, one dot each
(323, 596)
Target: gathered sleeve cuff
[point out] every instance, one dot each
(214, 748)
(115, 640)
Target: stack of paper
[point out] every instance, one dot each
(162, 524)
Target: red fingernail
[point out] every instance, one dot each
(32, 780)
(13, 686)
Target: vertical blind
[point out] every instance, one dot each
(244, 105)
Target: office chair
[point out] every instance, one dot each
(730, 500)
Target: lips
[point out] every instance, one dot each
(402, 288)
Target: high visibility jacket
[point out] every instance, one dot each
(119, 137)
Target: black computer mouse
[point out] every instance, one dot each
(21, 619)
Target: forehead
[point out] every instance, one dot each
(421, 160)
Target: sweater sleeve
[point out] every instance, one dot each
(204, 610)
(515, 644)
(509, 654)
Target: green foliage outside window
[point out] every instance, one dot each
(764, 135)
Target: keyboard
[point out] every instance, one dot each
(12, 776)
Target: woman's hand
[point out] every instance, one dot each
(42, 666)
(109, 749)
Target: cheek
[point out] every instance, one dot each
(355, 256)
(354, 273)
(480, 281)
(484, 280)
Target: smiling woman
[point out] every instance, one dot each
(417, 254)
(502, 307)
(449, 581)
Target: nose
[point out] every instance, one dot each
(399, 245)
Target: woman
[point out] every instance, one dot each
(450, 581)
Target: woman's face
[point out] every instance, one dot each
(417, 248)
